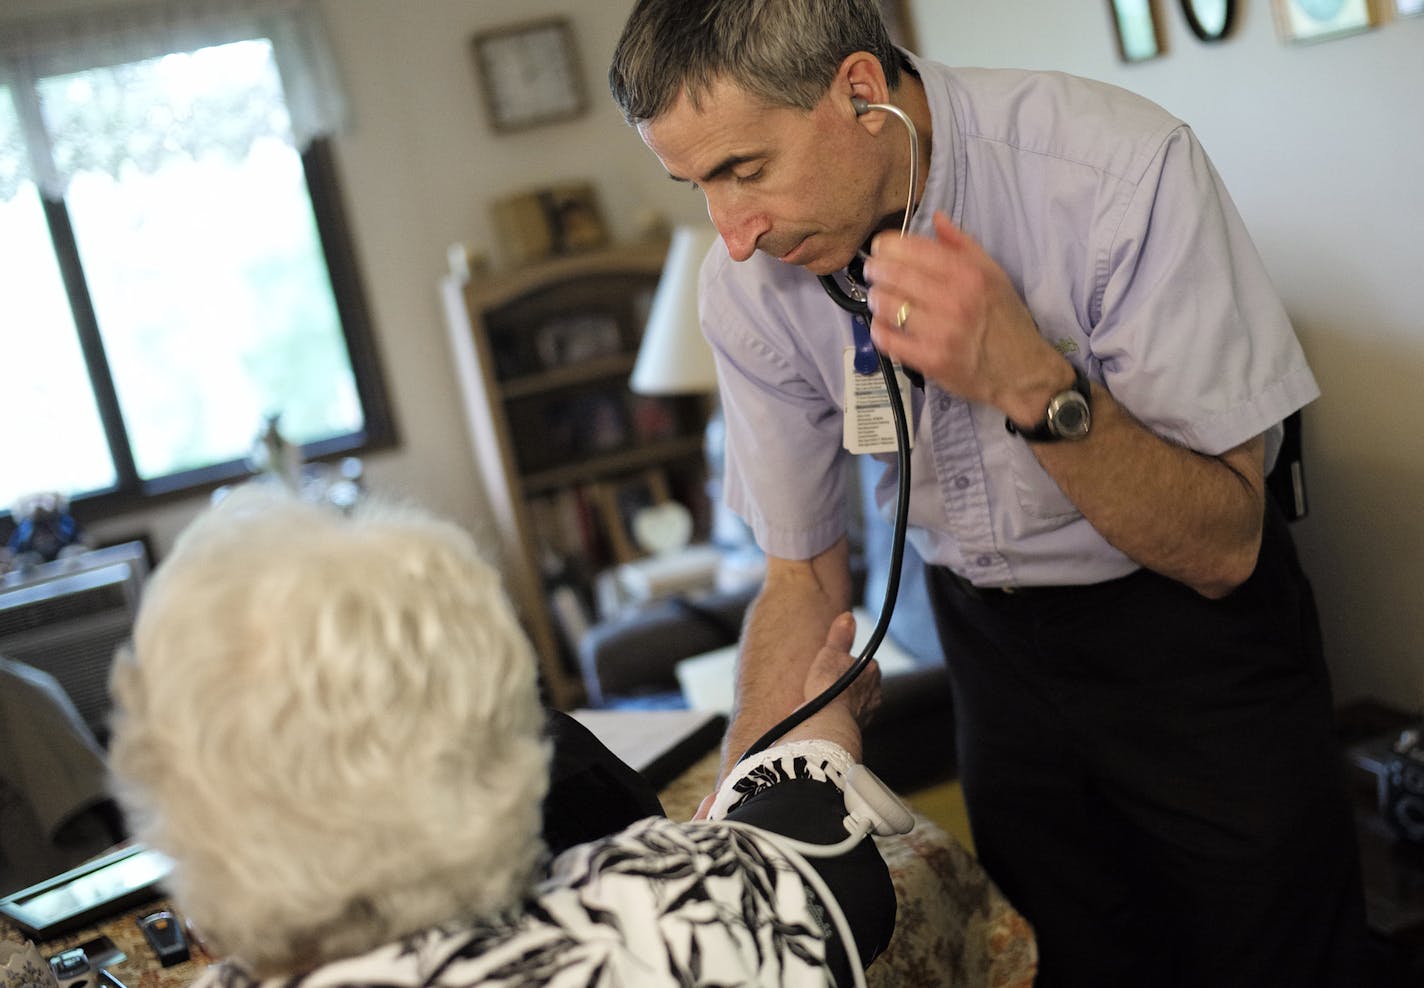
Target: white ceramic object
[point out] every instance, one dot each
(22, 966)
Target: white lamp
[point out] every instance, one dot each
(674, 358)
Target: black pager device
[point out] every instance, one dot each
(165, 935)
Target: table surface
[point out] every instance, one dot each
(142, 970)
(954, 927)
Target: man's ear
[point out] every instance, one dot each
(861, 78)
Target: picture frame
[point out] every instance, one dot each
(575, 218)
(548, 222)
(1136, 28)
(530, 74)
(1319, 20)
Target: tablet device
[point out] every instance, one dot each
(84, 895)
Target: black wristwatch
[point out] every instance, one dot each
(1069, 415)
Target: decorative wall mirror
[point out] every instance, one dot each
(1210, 20)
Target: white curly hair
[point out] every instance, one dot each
(332, 725)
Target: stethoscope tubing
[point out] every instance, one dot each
(892, 583)
(859, 305)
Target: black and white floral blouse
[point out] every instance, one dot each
(659, 903)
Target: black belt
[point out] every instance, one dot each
(970, 589)
(976, 592)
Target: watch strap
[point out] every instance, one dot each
(1042, 433)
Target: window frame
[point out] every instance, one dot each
(130, 492)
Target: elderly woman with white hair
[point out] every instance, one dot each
(331, 724)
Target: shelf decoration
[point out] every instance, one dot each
(1317, 20)
(544, 223)
(624, 500)
(530, 74)
(577, 338)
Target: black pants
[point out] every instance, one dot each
(1153, 780)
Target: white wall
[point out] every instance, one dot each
(1322, 146)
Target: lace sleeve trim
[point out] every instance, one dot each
(823, 761)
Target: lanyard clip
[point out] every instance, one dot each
(867, 360)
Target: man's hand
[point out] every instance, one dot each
(965, 326)
(859, 700)
(1192, 517)
(842, 719)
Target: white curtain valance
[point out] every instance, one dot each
(306, 102)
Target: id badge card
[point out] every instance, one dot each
(869, 425)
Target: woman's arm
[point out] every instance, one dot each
(795, 789)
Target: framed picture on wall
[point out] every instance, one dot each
(1317, 20)
(1135, 24)
(529, 74)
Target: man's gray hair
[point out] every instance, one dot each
(785, 52)
(332, 726)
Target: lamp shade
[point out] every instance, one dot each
(674, 358)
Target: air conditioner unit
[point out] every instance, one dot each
(69, 616)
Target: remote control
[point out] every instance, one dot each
(165, 935)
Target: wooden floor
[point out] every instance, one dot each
(944, 804)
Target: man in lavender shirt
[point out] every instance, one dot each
(1143, 709)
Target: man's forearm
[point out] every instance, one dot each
(1193, 518)
(785, 628)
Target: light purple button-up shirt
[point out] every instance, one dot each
(1120, 237)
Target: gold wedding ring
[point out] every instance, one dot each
(902, 314)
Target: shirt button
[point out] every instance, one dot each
(985, 560)
(962, 482)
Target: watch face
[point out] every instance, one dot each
(1069, 417)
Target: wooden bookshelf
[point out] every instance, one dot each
(543, 356)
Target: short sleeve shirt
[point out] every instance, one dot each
(1122, 240)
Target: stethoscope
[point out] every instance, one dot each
(848, 290)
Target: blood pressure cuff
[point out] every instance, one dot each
(811, 811)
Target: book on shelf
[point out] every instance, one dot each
(571, 616)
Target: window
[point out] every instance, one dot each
(173, 269)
